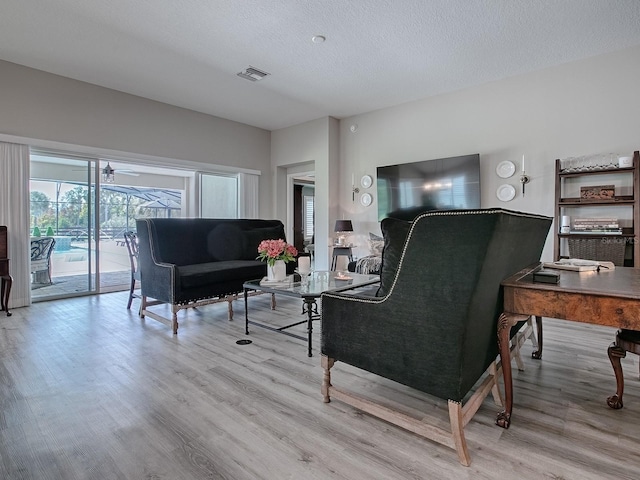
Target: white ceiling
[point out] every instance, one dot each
(378, 53)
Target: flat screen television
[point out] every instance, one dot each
(408, 189)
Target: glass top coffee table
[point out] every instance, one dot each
(308, 290)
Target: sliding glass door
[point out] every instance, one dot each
(87, 213)
(63, 208)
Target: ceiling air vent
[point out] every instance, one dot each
(253, 74)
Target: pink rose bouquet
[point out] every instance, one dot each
(272, 250)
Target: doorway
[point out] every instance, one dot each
(304, 213)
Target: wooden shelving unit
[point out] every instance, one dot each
(565, 205)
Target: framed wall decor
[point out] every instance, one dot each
(597, 192)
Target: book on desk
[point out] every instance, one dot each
(580, 265)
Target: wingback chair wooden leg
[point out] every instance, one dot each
(518, 340)
(230, 306)
(143, 305)
(495, 389)
(326, 363)
(459, 415)
(626, 341)
(457, 431)
(174, 318)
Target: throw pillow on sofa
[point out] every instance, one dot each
(251, 239)
(376, 244)
(224, 242)
(395, 235)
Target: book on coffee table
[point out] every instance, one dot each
(266, 282)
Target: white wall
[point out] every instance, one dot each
(50, 108)
(580, 108)
(309, 146)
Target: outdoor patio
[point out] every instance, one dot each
(69, 269)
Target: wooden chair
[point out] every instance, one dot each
(131, 241)
(626, 341)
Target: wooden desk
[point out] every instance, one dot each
(600, 298)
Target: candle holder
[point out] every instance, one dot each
(524, 179)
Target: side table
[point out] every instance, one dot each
(338, 251)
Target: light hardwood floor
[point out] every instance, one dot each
(90, 391)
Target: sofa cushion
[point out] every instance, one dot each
(376, 244)
(197, 275)
(181, 241)
(224, 242)
(395, 233)
(250, 240)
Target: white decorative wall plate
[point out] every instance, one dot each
(506, 192)
(505, 169)
(366, 199)
(366, 181)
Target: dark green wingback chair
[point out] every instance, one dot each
(433, 322)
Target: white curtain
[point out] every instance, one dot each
(14, 213)
(249, 196)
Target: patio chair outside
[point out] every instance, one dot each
(41, 250)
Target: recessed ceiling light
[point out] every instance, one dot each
(318, 38)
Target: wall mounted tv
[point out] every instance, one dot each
(407, 189)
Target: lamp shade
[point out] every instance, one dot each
(343, 226)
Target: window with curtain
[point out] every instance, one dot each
(308, 205)
(218, 196)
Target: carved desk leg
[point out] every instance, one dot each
(326, 363)
(615, 354)
(505, 322)
(538, 353)
(7, 280)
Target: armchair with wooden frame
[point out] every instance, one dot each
(432, 325)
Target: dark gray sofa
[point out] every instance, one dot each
(432, 324)
(190, 262)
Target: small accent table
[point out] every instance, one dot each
(317, 283)
(341, 250)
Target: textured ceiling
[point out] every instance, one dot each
(378, 53)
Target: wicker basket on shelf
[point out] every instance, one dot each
(606, 249)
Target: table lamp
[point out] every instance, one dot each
(341, 227)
